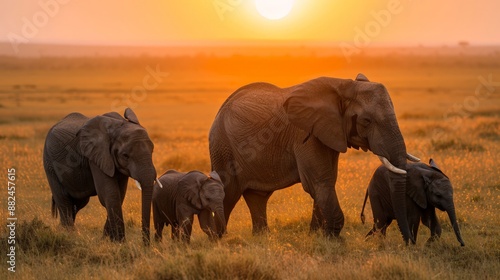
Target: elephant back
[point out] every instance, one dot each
(169, 180)
(65, 130)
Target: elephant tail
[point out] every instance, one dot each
(363, 209)
(54, 208)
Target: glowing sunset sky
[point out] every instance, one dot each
(218, 21)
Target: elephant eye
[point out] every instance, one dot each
(364, 121)
(125, 156)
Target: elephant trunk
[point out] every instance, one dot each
(454, 223)
(146, 180)
(397, 157)
(220, 221)
(147, 194)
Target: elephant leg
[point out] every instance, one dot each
(175, 234)
(430, 220)
(185, 227)
(231, 197)
(317, 218)
(159, 231)
(79, 205)
(257, 204)
(371, 232)
(413, 223)
(383, 227)
(66, 212)
(317, 167)
(414, 230)
(122, 187)
(64, 204)
(114, 226)
(329, 211)
(159, 222)
(109, 195)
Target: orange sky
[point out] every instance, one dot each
(197, 21)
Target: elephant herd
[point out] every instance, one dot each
(264, 138)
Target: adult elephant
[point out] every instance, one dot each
(84, 157)
(266, 138)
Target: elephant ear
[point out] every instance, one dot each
(95, 143)
(361, 78)
(316, 107)
(434, 166)
(130, 116)
(416, 186)
(190, 187)
(215, 176)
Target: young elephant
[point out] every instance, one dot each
(427, 188)
(183, 195)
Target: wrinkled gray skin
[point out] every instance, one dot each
(184, 195)
(265, 138)
(85, 156)
(427, 188)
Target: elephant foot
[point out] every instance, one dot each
(313, 230)
(331, 234)
(69, 228)
(114, 237)
(315, 226)
(370, 233)
(375, 233)
(260, 230)
(158, 238)
(337, 238)
(117, 239)
(431, 240)
(336, 232)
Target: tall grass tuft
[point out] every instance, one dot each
(35, 237)
(454, 144)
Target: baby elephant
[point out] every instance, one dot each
(185, 194)
(427, 188)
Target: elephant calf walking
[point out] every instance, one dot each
(427, 188)
(182, 196)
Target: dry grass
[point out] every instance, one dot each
(178, 115)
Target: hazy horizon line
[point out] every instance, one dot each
(254, 43)
(271, 48)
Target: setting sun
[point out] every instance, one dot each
(274, 9)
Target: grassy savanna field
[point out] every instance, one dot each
(440, 114)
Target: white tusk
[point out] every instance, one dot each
(138, 185)
(412, 158)
(391, 167)
(213, 214)
(159, 184)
